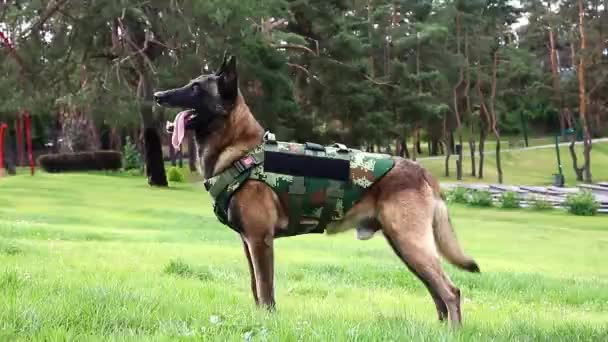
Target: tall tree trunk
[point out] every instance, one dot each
(482, 143)
(405, 148)
(448, 154)
(494, 116)
(415, 147)
(10, 158)
(398, 147)
(578, 171)
(435, 147)
(498, 160)
(448, 147)
(456, 93)
(472, 151)
(583, 95)
(153, 153)
(370, 37)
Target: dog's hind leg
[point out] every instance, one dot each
(251, 272)
(442, 309)
(262, 257)
(409, 231)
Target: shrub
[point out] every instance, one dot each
(539, 203)
(509, 200)
(81, 161)
(178, 267)
(582, 203)
(132, 158)
(458, 195)
(134, 172)
(175, 174)
(480, 198)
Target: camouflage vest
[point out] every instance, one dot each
(306, 198)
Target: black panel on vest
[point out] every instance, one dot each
(306, 166)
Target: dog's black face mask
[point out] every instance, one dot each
(207, 98)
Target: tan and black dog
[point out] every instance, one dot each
(405, 204)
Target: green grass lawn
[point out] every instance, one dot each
(526, 167)
(103, 257)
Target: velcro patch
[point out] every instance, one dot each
(306, 165)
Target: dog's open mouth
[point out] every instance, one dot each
(178, 127)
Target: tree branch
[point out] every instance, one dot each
(48, 14)
(13, 53)
(294, 47)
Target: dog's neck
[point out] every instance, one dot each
(238, 134)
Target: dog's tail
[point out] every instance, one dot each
(446, 241)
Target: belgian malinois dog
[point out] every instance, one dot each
(405, 204)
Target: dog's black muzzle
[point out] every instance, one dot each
(177, 98)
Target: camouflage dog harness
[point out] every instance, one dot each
(316, 183)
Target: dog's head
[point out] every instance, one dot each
(207, 99)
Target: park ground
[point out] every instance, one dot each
(533, 166)
(105, 257)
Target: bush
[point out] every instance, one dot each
(539, 203)
(480, 198)
(458, 195)
(132, 158)
(175, 174)
(134, 172)
(582, 203)
(81, 161)
(509, 200)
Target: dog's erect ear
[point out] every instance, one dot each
(223, 66)
(228, 80)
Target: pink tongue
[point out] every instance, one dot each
(179, 129)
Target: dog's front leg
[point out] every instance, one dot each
(262, 257)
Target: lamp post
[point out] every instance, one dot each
(559, 179)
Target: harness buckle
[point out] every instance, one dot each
(207, 185)
(341, 148)
(269, 138)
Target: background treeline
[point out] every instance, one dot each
(382, 75)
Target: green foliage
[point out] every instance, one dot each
(134, 172)
(132, 157)
(480, 198)
(458, 194)
(310, 70)
(539, 203)
(510, 200)
(582, 203)
(178, 267)
(175, 174)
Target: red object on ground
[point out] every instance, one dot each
(2, 129)
(28, 136)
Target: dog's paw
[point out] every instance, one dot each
(364, 233)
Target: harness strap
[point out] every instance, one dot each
(297, 191)
(332, 195)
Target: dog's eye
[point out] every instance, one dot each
(196, 87)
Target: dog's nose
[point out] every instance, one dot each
(158, 96)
